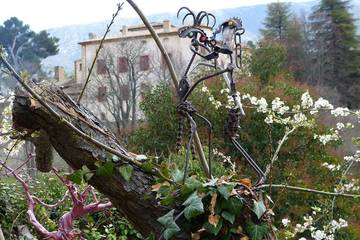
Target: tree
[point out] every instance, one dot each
(336, 49)
(25, 47)
(290, 31)
(268, 60)
(276, 21)
(296, 48)
(120, 73)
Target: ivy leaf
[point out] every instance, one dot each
(150, 237)
(87, 173)
(177, 175)
(126, 172)
(105, 169)
(228, 216)
(77, 176)
(225, 190)
(259, 208)
(257, 232)
(194, 206)
(169, 223)
(147, 166)
(233, 205)
(192, 183)
(214, 229)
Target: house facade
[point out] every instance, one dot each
(128, 60)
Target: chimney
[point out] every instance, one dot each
(92, 35)
(167, 25)
(59, 73)
(124, 30)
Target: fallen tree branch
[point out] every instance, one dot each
(66, 122)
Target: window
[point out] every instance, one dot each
(102, 116)
(144, 63)
(123, 66)
(124, 92)
(80, 67)
(101, 66)
(102, 93)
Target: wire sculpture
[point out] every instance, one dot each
(225, 41)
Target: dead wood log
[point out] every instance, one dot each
(133, 198)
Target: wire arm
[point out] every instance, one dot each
(248, 158)
(203, 79)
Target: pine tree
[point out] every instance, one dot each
(277, 20)
(336, 49)
(296, 47)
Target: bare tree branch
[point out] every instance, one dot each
(302, 189)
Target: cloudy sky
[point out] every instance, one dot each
(44, 14)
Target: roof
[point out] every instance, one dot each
(121, 37)
(137, 31)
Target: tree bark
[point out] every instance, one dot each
(134, 197)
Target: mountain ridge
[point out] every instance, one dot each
(252, 17)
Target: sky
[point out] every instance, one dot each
(45, 14)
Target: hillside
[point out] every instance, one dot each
(252, 17)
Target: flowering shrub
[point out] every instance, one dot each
(283, 132)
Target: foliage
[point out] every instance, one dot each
(107, 225)
(277, 21)
(157, 134)
(216, 210)
(336, 48)
(25, 47)
(268, 60)
(300, 161)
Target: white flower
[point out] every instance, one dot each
(262, 105)
(306, 100)
(318, 235)
(299, 228)
(349, 158)
(217, 104)
(285, 222)
(253, 100)
(278, 106)
(332, 167)
(340, 126)
(322, 103)
(324, 139)
(299, 118)
(224, 90)
(302, 238)
(269, 119)
(343, 223)
(204, 89)
(246, 96)
(343, 112)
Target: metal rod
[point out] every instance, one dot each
(158, 43)
(168, 62)
(203, 79)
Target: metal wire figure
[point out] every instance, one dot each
(225, 41)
